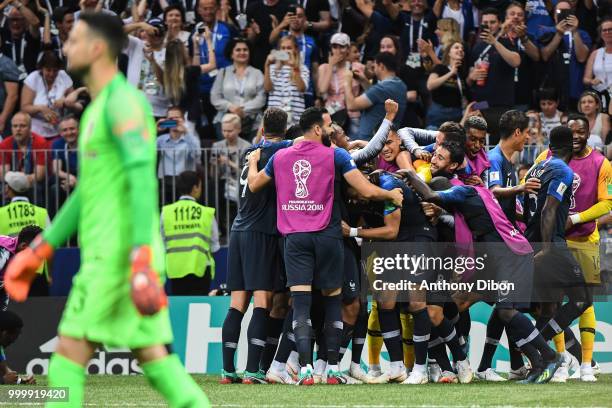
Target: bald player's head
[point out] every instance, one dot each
(561, 141)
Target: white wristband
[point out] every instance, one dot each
(354, 232)
(575, 219)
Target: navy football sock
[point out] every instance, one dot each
(230, 334)
(256, 335)
(302, 325)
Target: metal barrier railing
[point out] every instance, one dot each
(220, 169)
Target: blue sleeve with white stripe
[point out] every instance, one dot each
(342, 160)
(495, 171)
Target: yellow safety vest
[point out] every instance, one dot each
(187, 228)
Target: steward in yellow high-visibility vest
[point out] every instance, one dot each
(20, 213)
(191, 236)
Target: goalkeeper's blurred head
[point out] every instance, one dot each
(95, 35)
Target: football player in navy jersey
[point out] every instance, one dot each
(557, 272)
(486, 222)
(254, 259)
(503, 182)
(405, 224)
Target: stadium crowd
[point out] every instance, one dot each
(205, 65)
(411, 89)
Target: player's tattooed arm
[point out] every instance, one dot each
(258, 179)
(376, 144)
(403, 160)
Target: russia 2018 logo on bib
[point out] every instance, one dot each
(301, 171)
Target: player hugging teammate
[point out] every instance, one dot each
(308, 204)
(305, 207)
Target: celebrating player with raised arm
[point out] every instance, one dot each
(308, 215)
(484, 221)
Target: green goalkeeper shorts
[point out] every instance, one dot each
(100, 309)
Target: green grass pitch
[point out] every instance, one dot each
(133, 391)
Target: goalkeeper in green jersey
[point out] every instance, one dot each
(117, 298)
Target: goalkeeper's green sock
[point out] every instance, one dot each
(64, 372)
(168, 376)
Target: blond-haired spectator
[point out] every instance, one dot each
(226, 154)
(225, 162)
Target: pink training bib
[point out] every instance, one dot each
(10, 244)
(584, 190)
(511, 236)
(479, 163)
(385, 165)
(304, 177)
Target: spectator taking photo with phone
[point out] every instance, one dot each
(565, 50)
(493, 61)
(179, 150)
(286, 79)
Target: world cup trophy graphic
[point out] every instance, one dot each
(301, 171)
(575, 184)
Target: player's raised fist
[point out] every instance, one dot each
(391, 106)
(22, 269)
(145, 288)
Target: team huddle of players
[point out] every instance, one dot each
(307, 204)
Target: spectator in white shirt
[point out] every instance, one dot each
(44, 95)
